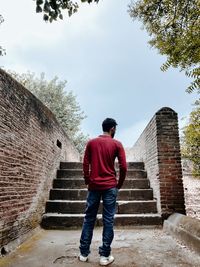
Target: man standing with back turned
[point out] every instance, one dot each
(100, 176)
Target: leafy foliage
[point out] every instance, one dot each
(52, 9)
(174, 26)
(191, 139)
(62, 103)
(2, 50)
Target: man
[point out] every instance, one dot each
(100, 176)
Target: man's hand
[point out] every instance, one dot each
(86, 181)
(118, 187)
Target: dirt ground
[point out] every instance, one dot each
(136, 247)
(192, 196)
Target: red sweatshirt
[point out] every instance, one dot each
(98, 163)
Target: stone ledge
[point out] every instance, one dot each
(186, 229)
(15, 243)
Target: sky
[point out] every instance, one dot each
(105, 57)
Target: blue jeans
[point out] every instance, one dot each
(109, 206)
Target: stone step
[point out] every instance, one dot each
(66, 207)
(68, 183)
(81, 194)
(71, 165)
(134, 165)
(122, 207)
(64, 221)
(78, 173)
(78, 165)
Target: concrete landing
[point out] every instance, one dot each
(137, 247)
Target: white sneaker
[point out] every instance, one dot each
(106, 260)
(82, 258)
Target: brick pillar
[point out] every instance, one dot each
(169, 163)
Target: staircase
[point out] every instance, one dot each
(66, 206)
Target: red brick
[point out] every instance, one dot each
(29, 156)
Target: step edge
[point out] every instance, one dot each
(85, 189)
(127, 215)
(84, 201)
(82, 179)
(117, 170)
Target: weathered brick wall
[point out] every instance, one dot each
(158, 146)
(32, 144)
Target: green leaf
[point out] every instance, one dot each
(45, 17)
(38, 9)
(174, 30)
(46, 7)
(39, 2)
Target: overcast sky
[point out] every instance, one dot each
(105, 58)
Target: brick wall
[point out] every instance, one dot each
(32, 144)
(158, 146)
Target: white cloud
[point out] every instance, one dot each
(28, 40)
(23, 27)
(183, 121)
(129, 136)
(104, 57)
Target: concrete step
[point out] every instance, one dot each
(78, 173)
(81, 194)
(64, 221)
(66, 207)
(78, 165)
(79, 183)
(71, 165)
(134, 165)
(122, 207)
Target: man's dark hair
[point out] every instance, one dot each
(108, 123)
